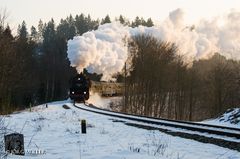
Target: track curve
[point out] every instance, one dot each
(190, 126)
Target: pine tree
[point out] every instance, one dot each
(40, 30)
(49, 59)
(123, 20)
(106, 20)
(22, 31)
(34, 34)
(81, 24)
(149, 23)
(136, 22)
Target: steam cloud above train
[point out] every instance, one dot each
(104, 51)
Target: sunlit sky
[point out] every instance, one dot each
(33, 10)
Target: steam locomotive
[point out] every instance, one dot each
(79, 89)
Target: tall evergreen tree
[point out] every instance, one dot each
(123, 20)
(34, 34)
(92, 24)
(136, 22)
(107, 19)
(81, 24)
(66, 28)
(7, 68)
(40, 30)
(22, 31)
(26, 54)
(149, 22)
(49, 60)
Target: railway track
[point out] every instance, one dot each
(219, 135)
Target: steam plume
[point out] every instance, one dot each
(104, 51)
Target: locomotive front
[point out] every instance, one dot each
(79, 90)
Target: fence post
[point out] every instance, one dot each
(83, 126)
(30, 106)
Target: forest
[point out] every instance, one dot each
(35, 69)
(162, 84)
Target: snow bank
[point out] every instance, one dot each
(57, 132)
(230, 118)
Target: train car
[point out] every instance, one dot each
(79, 89)
(107, 89)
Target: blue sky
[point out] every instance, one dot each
(33, 10)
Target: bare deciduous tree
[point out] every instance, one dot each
(162, 85)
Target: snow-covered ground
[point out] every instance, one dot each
(56, 132)
(231, 118)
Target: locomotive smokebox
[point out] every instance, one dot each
(79, 89)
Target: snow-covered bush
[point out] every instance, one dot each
(231, 115)
(156, 145)
(39, 122)
(2, 132)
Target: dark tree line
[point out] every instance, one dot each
(34, 67)
(17, 66)
(162, 85)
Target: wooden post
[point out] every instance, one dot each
(30, 106)
(83, 126)
(125, 85)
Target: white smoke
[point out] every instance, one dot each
(104, 51)
(177, 18)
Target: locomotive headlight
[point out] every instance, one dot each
(72, 92)
(84, 92)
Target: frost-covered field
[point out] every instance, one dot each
(56, 133)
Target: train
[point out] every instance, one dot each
(79, 88)
(107, 89)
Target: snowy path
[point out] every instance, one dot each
(56, 131)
